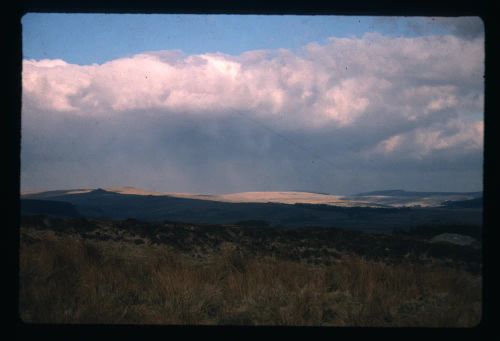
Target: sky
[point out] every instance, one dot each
(228, 103)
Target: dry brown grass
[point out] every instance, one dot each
(66, 279)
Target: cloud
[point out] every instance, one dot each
(462, 27)
(455, 136)
(324, 108)
(465, 27)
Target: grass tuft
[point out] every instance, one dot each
(67, 279)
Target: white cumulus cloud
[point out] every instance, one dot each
(399, 97)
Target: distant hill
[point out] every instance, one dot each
(377, 199)
(403, 193)
(101, 203)
(472, 203)
(48, 207)
(402, 198)
(50, 194)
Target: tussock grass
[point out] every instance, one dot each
(65, 279)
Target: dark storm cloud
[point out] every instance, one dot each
(467, 27)
(464, 27)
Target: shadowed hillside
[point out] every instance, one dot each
(48, 207)
(106, 204)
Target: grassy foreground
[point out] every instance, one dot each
(68, 279)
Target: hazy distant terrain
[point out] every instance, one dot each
(389, 198)
(369, 211)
